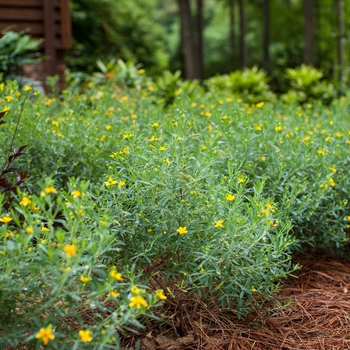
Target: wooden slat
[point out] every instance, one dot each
(21, 3)
(50, 50)
(34, 28)
(24, 14)
(66, 28)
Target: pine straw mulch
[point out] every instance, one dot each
(317, 318)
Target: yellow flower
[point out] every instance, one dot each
(70, 250)
(155, 125)
(259, 104)
(27, 88)
(182, 230)
(44, 229)
(6, 219)
(332, 169)
(154, 138)
(29, 230)
(160, 294)
(263, 158)
(266, 212)
(135, 290)
(162, 148)
(331, 182)
(348, 218)
(116, 275)
(219, 223)
(76, 194)
(108, 127)
(113, 294)
(50, 189)
(138, 301)
(85, 279)
(278, 128)
(9, 98)
(110, 182)
(45, 334)
(85, 336)
(230, 197)
(121, 183)
(25, 201)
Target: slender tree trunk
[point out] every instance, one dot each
(340, 39)
(231, 4)
(309, 35)
(266, 35)
(188, 41)
(200, 27)
(243, 54)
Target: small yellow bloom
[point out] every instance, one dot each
(9, 98)
(45, 334)
(110, 182)
(50, 189)
(121, 183)
(332, 169)
(70, 250)
(30, 230)
(135, 290)
(113, 294)
(138, 301)
(160, 294)
(76, 194)
(155, 125)
(182, 230)
(27, 88)
(25, 201)
(162, 148)
(263, 158)
(266, 212)
(85, 336)
(85, 279)
(348, 218)
(116, 275)
(230, 197)
(6, 219)
(259, 104)
(219, 223)
(278, 128)
(45, 229)
(331, 182)
(108, 127)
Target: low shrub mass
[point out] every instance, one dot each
(159, 181)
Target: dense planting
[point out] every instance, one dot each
(160, 179)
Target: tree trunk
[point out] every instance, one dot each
(266, 36)
(188, 41)
(200, 27)
(231, 4)
(243, 54)
(309, 35)
(340, 39)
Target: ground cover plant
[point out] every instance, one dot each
(203, 192)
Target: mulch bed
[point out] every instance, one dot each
(317, 317)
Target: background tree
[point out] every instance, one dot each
(105, 29)
(309, 35)
(243, 48)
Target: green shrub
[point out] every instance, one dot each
(61, 281)
(16, 51)
(175, 203)
(306, 86)
(249, 84)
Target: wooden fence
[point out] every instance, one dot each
(46, 19)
